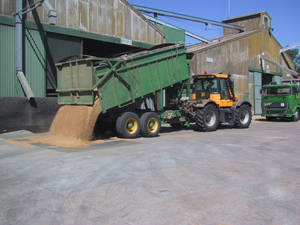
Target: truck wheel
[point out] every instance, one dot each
(207, 119)
(242, 116)
(128, 125)
(295, 117)
(150, 124)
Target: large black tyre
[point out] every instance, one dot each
(242, 116)
(295, 117)
(150, 124)
(207, 119)
(128, 125)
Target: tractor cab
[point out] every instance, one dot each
(215, 87)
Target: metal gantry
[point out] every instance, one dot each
(187, 17)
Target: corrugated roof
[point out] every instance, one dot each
(220, 41)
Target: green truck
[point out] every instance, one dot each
(280, 101)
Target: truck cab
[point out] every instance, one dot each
(280, 101)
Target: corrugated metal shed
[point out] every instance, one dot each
(35, 62)
(115, 18)
(9, 84)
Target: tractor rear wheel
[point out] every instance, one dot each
(207, 119)
(128, 125)
(242, 117)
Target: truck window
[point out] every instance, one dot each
(276, 91)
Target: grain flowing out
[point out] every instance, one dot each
(73, 125)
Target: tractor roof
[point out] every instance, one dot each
(210, 75)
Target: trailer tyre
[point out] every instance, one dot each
(150, 124)
(128, 125)
(207, 118)
(295, 117)
(242, 116)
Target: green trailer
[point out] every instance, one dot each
(118, 83)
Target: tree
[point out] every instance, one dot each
(295, 56)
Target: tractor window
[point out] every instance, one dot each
(224, 89)
(208, 84)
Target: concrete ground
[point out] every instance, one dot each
(231, 176)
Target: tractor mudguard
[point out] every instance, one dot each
(204, 103)
(239, 103)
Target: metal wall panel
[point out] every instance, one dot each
(34, 68)
(109, 17)
(35, 62)
(59, 47)
(9, 84)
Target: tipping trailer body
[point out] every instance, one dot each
(121, 81)
(110, 88)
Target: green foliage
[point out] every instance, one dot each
(295, 56)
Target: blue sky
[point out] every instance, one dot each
(285, 15)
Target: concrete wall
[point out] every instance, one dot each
(19, 113)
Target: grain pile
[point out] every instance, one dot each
(73, 126)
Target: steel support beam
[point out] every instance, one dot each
(19, 35)
(19, 48)
(289, 47)
(186, 17)
(170, 25)
(279, 66)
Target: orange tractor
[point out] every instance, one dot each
(214, 102)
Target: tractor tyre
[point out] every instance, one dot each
(242, 117)
(207, 119)
(150, 124)
(128, 125)
(295, 117)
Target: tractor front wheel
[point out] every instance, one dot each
(242, 117)
(207, 119)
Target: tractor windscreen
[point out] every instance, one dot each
(276, 91)
(207, 84)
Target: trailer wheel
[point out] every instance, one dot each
(242, 116)
(207, 118)
(128, 125)
(150, 124)
(295, 117)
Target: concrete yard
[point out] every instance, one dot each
(231, 176)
